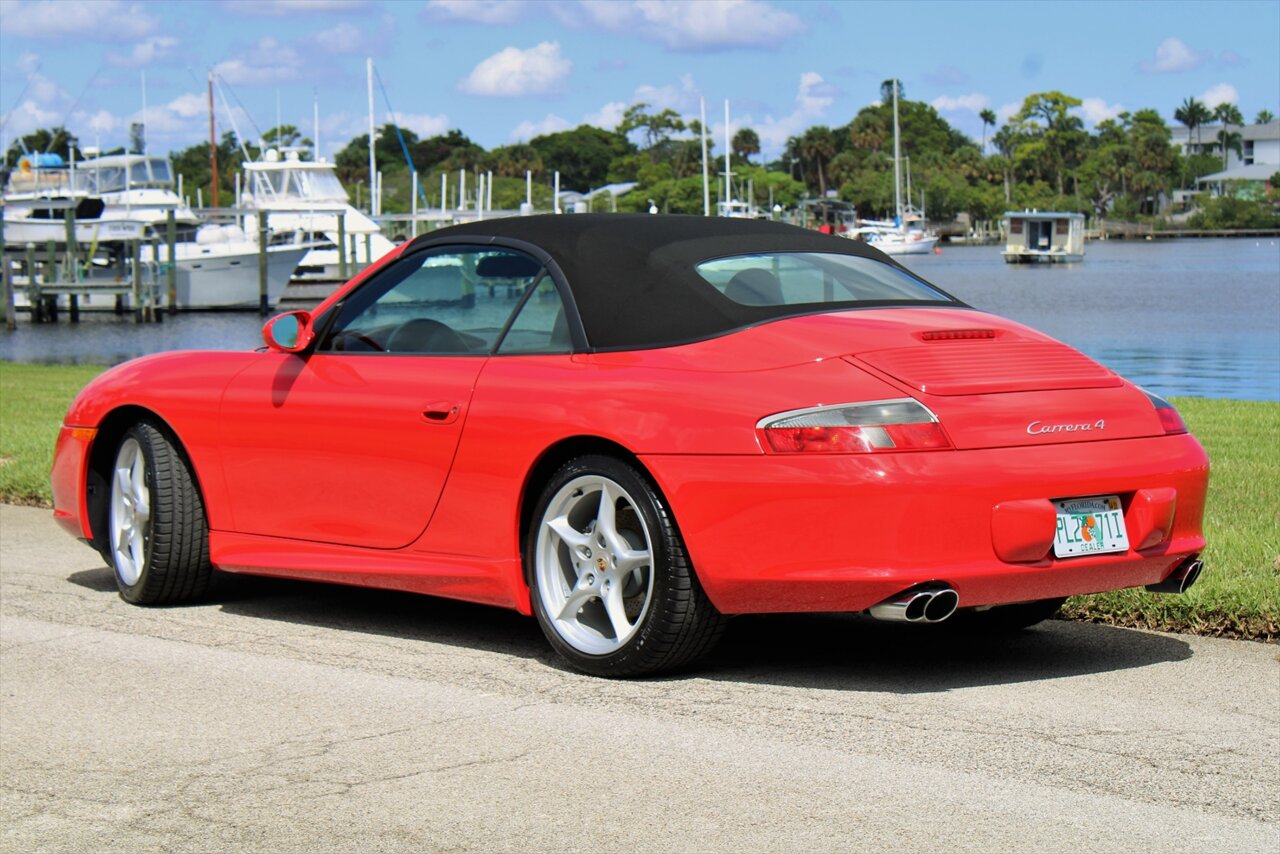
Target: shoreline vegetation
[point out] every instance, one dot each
(1126, 168)
(1238, 596)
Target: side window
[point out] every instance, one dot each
(540, 327)
(453, 301)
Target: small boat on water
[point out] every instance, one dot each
(906, 234)
(1043, 237)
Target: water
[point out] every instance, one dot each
(1187, 317)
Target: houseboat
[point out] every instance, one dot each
(1044, 237)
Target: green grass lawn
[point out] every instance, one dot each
(1237, 596)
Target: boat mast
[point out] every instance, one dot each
(373, 166)
(728, 175)
(213, 144)
(897, 161)
(706, 181)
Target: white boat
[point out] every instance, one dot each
(906, 235)
(1043, 237)
(304, 200)
(128, 197)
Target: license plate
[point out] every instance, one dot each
(1089, 526)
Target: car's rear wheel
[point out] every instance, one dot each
(1004, 618)
(612, 586)
(159, 539)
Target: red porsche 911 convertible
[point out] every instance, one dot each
(631, 427)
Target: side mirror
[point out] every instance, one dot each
(289, 333)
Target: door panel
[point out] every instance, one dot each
(342, 448)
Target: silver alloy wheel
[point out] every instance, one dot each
(130, 512)
(594, 564)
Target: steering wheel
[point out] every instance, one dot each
(424, 335)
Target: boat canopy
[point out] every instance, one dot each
(127, 172)
(311, 183)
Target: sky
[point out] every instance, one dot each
(506, 70)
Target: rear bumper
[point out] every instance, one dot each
(68, 479)
(775, 533)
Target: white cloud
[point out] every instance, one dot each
(1007, 111)
(694, 26)
(342, 38)
(28, 116)
(56, 20)
(1098, 110)
(550, 124)
(279, 8)
(268, 62)
(1223, 93)
(607, 117)
(101, 122)
(477, 11)
(682, 98)
(153, 50)
(420, 123)
(190, 104)
(512, 72)
(973, 103)
(813, 96)
(1172, 55)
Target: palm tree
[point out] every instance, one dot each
(1264, 117)
(988, 117)
(818, 146)
(1229, 140)
(1193, 113)
(886, 91)
(746, 142)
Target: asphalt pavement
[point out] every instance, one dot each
(285, 716)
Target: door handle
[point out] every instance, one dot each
(441, 412)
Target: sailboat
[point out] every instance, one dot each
(906, 235)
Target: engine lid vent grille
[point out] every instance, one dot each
(990, 367)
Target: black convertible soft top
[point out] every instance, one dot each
(632, 276)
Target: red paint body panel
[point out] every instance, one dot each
(323, 466)
(68, 479)
(801, 533)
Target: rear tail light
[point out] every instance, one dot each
(854, 428)
(1170, 420)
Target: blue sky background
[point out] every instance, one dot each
(507, 70)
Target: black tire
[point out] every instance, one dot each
(676, 625)
(173, 538)
(1003, 619)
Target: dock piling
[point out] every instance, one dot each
(342, 245)
(263, 238)
(135, 255)
(6, 279)
(171, 240)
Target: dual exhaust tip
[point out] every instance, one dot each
(918, 605)
(935, 602)
(1181, 578)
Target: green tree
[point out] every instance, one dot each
(512, 161)
(582, 155)
(817, 147)
(988, 117)
(1228, 114)
(1264, 117)
(1193, 113)
(655, 128)
(57, 140)
(746, 142)
(1055, 137)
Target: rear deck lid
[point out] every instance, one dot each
(1003, 385)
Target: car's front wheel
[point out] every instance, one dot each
(159, 539)
(613, 589)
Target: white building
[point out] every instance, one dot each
(1259, 156)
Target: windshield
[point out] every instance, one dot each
(813, 278)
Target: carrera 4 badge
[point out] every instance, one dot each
(1036, 428)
